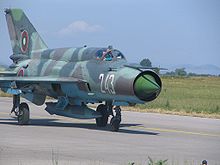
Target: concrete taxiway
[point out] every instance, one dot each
(53, 139)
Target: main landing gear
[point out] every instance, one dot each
(102, 121)
(106, 111)
(21, 110)
(116, 119)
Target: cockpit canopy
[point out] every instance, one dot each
(106, 54)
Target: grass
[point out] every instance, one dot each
(152, 162)
(2, 94)
(199, 96)
(194, 96)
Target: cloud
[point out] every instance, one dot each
(80, 26)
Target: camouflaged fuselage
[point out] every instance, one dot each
(81, 75)
(101, 80)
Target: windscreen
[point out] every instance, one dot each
(109, 55)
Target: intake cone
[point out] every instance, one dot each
(147, 86)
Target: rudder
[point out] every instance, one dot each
(24, 37)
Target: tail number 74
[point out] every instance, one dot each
(107, 83)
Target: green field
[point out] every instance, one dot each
(189, 95)
(196, 96)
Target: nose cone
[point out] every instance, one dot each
(147, 86)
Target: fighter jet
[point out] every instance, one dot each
(75, 77)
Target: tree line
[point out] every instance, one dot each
(180, 72)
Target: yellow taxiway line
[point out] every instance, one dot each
(176, 131)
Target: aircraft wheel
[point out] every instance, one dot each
(115, 124)
(24, 114)
(102, 121)
(16, 113)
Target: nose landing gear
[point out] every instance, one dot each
(106, 111)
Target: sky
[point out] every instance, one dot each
(168, 32)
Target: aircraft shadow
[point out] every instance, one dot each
(91, 126)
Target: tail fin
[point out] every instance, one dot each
(24, 37)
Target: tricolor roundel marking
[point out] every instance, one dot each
(21, 73)
(24, 41)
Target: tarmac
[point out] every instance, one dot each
(58, 140)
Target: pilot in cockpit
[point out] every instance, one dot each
(105, 55)
(109, 54)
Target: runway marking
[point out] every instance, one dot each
(176, 131)
(135, 127)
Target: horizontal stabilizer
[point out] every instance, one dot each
(7, 73)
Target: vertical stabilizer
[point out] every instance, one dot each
(24, 37)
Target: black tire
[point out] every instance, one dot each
(24, 114)
(102, 121)
(115, 124)
(16, 113)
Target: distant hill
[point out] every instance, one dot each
(202, 69)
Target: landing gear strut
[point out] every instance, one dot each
(116, 119)
(21, 110)
(105, 111)
(16, 102)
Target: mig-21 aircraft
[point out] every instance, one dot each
(75, 77)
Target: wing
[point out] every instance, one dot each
(33, 88)
(43, 79)
(15, 85)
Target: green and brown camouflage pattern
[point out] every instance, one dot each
(18, 23)
(77, 74)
